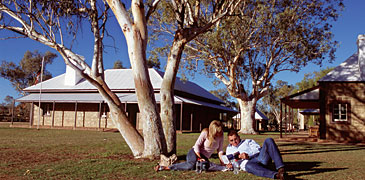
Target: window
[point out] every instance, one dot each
(340, 112)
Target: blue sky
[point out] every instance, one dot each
(349, 25)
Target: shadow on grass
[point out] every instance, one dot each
(295, 169)
(298, 170)
(306, 168)
(312, 149)
(303, 169)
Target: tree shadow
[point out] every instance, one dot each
(310, 168)
(306, 148)
(303, 169)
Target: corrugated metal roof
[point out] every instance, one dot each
(66, 97)
(347, 71)
(96, 98)
(120, 80)
(81, 97)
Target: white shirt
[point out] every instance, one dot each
(247, 146)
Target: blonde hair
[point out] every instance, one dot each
(215, 128)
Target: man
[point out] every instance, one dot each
(254, 159)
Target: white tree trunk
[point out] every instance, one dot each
(247, 116)
(277, 115)
(135, 32)
(127, 130)
(168, 116)
(152, 127)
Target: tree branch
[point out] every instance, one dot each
(152, 9)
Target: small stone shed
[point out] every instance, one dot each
(340, 98)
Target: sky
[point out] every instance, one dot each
(346, 29)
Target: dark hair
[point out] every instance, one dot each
(233, 132)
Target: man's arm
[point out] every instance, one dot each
(244, 156)
(231, 154)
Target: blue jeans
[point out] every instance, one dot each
(190, 162)
(257, 165)
(191, 159)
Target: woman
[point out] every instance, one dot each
(210, 139)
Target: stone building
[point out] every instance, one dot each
(69, 101)
(340, 98)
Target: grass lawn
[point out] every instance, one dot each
(67, 154)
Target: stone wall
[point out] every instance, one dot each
(87, 116)
(354, 95)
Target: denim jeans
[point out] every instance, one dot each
(257, 165)
(191, 159)
(190, 162)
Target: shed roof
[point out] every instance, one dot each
(347, 71)
(120, 80)
(258, 115)
(308, 98)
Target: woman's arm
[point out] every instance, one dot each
(200, 143)
(220, 154)
(199, 156)
(220, 149)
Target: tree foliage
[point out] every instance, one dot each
(10, 111)
(311, 79)
(264, 38)
(118, 65)
(182, 21)
(153, 63)
(25, 74)
(6, 105)
(5, 108)
(8, 100)
(223, 95)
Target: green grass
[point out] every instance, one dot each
(67, 154)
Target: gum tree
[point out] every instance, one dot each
(49, 22)
(264, 38)
(46, 21)
(179, 22)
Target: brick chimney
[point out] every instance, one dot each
(72, 77)
(361, 55)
